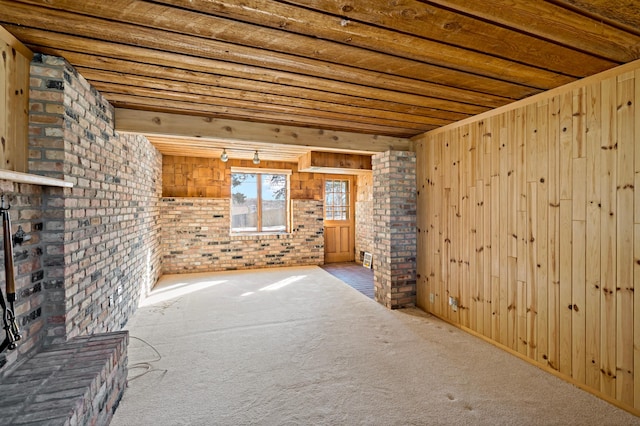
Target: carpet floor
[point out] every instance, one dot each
(297, 346)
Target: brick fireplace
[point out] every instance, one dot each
(93, 249)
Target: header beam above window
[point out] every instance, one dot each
(261, 170)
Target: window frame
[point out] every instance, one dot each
(345, 208)
(287, 202)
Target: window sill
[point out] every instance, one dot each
(260, 235)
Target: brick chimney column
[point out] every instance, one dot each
(394, 216)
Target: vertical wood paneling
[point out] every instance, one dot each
(14, 103)
(531, 260)
(636, 302)
(455, 230)
(436, 283)
(578, 240)
(553, 235)
(636, 248)
(437, 224)
(542, 209)
(473, 277)
(480, 255)
(592, 255)
(608, 241)
(512, 234)
(486, 214)
(520, 125)
(565, 163)
(473, 225)
(422, 220)
(624, 261)
(494, 129)
(465, 232)
(532, 229)
(534, 223)
(4, 81)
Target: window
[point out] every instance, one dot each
(259, 201)
(336, 199)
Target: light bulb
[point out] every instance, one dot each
(256, 159)
(224, 157)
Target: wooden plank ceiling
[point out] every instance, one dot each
(392, 68)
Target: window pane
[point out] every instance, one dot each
(274, 209)
(336, 199)
(244, 202)
(329, 200)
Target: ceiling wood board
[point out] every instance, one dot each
(172, 89)
(375, 67)
(289, 81)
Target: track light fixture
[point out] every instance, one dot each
(256, 159)
(224, 157)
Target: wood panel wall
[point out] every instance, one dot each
(528, 216)
(15, 60)
(211, 178)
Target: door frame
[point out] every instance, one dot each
(352, 212)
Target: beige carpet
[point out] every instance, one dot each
(296, 346)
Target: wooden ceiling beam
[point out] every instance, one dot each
(334, 163)
(91, 67)
(120, 100)
(36, 39)
(98, 29)
(330, 27)
(276, 39)
(163, 124)
(434, 23)
(554, 22)
(623, 14)
(176, 90)
(253, 111)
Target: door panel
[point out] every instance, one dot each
(339, 234)
(330, 244)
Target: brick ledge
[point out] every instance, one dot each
(77, 382)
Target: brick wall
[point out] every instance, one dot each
(85, 379)
(84, 244)
(394, 213)
(196, 238)
(364, 214)
(26, 213)
(195, 216)
(100, 238)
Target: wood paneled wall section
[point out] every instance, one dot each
(529, 216)
(211, 178)
(15, 60)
